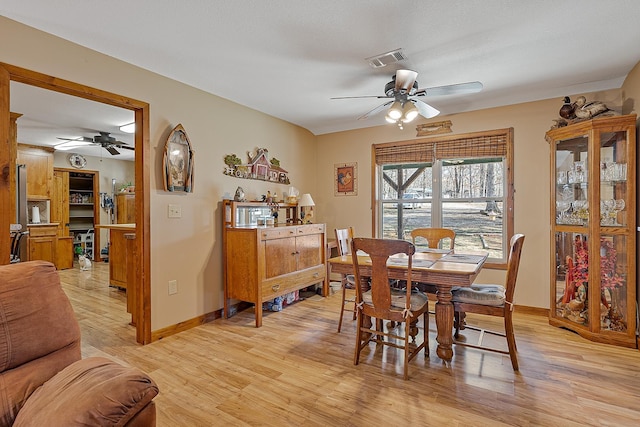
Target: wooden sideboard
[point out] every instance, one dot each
(262, 263)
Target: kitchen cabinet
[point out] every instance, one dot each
(125, 208)
(64, 252)
(42, 242)
(264, 262)
(593, 229)
(118, 258)
(120, 261)
(75, 205)
(83, 191)
(60, 201)
(39, 161)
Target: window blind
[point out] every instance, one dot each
(480, 144)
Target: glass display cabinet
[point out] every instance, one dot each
(593, 229)
(253, 214)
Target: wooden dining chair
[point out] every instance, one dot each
(383, 302)
(344, 236)
(434, 236)
(492, 300)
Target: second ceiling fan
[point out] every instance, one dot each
(405, 103)
(104, 139)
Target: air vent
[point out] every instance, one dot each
(386, 58)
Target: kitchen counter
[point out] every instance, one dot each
(119, 261)
(124, 227)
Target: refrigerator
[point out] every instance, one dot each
(21, 205)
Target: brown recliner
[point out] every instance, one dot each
(43, 380)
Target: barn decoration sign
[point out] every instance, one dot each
(259, 167)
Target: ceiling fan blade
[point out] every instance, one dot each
(425, 110)
(112, 150)
(81, 139)
(405, 80)
(375, 110)
(364, 96)
(455, 89)
(70, 144)
(126, 147)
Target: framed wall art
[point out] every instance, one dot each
(178, 162)
(345, 180)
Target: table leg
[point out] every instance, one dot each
(444, 322)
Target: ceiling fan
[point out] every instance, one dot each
(404, 94)
(104, 139)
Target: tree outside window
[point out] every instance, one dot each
(471, 195)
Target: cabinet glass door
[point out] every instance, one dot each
(613, 283)
(572, 203)
(572, 277)
(613, 179)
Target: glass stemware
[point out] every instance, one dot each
(562, 208)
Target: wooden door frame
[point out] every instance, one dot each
(142, 265)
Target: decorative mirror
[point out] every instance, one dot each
(177, 162)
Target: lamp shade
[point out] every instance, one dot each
(395, 111)
(410, 112)
(306, 200)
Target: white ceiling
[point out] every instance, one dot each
(287, 58)
(48, 116)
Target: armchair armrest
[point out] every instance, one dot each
(94, 391)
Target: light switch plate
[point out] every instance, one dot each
(175, 211)
(173, 287)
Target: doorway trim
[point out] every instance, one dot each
(142, 264)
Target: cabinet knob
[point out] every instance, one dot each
(275, 288)
(315, 274)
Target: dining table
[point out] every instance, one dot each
(442, 268)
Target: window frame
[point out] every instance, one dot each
(484, 144)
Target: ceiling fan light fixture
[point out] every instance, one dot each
(410, 112)
(395, 111)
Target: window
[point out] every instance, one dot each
(462, 182)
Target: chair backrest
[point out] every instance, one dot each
(16, 242)
(512, 265)
(379, 250)
(434, 236)
(344, 236)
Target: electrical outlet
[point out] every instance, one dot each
(173, 287)
(175, 211)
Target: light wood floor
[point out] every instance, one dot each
(297, 371)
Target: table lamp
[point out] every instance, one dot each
(306, 202)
